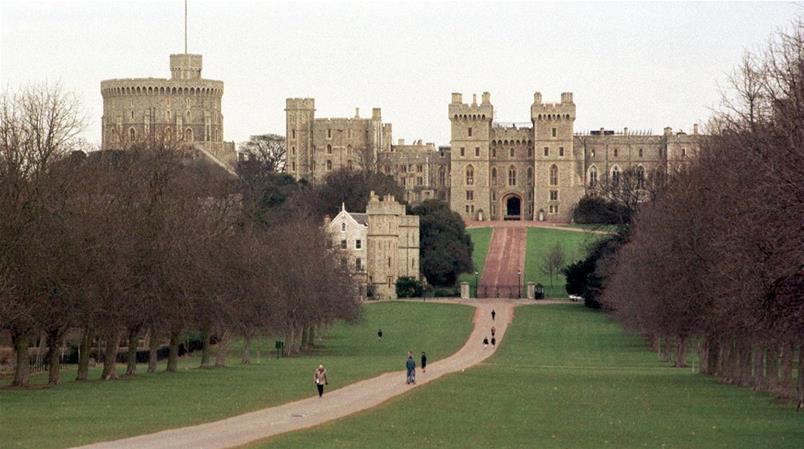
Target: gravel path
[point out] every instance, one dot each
(249, 427)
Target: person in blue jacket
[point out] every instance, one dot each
(411, 367)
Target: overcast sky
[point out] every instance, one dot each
(636, 65)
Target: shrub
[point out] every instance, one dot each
(409, 287)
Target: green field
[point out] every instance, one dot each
(540, 240)
(566, 377)
(80, 413)
(481, 237)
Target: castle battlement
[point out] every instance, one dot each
(300, 103)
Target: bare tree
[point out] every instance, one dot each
(265, 152)
(553, 261)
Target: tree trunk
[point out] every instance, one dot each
(758, 367)
(288, 347)
(22, 368)
(205, 349)
(743, 356)
(153, 348)
(681, 352)
(110, 357)
(173, 352)
(786, 383)
(772, 367)
(298, 339)
(53, 358)
(312, 336)
(223, 349)
(713, 356)
(41, 344)
(703, 356)
(85, 353)
(245, 356)
(131, 357)
(304, 336)
(800, 395)
(664, 351)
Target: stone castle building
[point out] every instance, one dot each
(379, 246)
(185, 109)
(536, 170)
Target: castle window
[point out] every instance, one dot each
(470, 175)
(511, 176)
(554, 195)
(615, 152)
(343, 262)
(293, 134)
(640, 152)
(470, 195)
(132, 134)
(477, 151)
(615, 175)
(329, 149)
(530, 175)
(494, 176)
(403, 181)
(511, 152)
(419, 168)
(188, 135)
(343, 244)
(592, 153)
(442, 176)
(389, 262)
(530, 152)
(553, 132)
(358, 244)
(493, 196)
(293, 151)
(329, 133)
(472, 208)
(592, 177)
(494, 152)
(462, 151)
(343, 227)
(467, 208)
(293, 166)
(547, 151)
(348, 149)
(329, 164)
(683, 152)
(561, 151)
(419, 181)
(553, 175)
(132, 115)
(358, 264)
(640, 171)
(349, 164)
(470, 132)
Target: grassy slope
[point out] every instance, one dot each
(481, 237)
(566, 377)
(540, 240)
(79, 413)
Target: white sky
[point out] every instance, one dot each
(636, 65)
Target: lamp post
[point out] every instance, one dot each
(518, 283)
(475, 284)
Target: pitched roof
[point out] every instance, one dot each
(360, 218)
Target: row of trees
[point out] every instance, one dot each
(716, 260)
(153, 241)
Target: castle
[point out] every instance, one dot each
(378, 246)
(491, 170)
(185, 109)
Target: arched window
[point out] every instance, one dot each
(168, 133)
(329, 165)
(593, 176)
(329, 149)
(511, 176)
(442, 176)
(530, 176)
(132, 134)
(553, 175)
(343, 227)
(615, 175)
(494, 176)
(511, 152)
(470, 175)
(188, 134)
(640, 172)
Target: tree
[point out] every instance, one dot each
(409, 287)
(446, 248)
(352, 188)
(553, 261)
(264, 153)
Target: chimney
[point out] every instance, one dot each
(474, 99)
(625, 131)
(357, 112)
(695, 129)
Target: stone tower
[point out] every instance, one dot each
(469, 158)
(558, 185)
(383, 243)
(185, 109)
(300, 116)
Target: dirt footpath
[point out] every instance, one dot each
(249, 427)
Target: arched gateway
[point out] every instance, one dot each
(512, 207)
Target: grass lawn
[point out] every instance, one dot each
(540, 240)
(480, 240)
(566, 377)
(80, 413)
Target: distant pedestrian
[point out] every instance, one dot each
(493, 331)
(493, 314)
(493, 342)
(379, 335)
(320, 379)
(410, 365)
(424, 362)
(485, 342)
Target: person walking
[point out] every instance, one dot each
(379, 335)
(410, 365)
(493, 342)
(493, 331)
(320, 379)
(424, 362)
(493, 314)
(485, 342)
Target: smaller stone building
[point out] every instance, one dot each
(420, 168)
(379, 246)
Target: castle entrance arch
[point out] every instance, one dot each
(512, 207)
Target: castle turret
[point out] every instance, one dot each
(471, 131)
(300, 114)
(558, 185)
